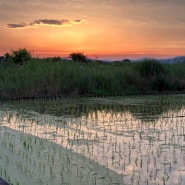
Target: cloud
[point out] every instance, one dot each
(22, 25)
(47, 22)
(78, 21)
(50, 22)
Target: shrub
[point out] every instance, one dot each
(126, 60)
(7, 58)
(150, 68)
(21, 56)
(56, 59)
(160, 84)
(78, 57)
(2, 59)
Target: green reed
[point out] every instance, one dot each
(44, 78)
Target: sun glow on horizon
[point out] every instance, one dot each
(114, 27)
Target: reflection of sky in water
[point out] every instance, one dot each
(145, 152)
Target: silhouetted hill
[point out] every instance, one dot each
(178, 59)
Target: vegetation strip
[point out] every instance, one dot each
(22, 76)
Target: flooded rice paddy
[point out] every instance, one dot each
(135, 140)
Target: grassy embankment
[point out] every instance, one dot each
(43, 77)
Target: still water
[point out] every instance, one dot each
(134, 140)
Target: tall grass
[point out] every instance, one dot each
(41, 77)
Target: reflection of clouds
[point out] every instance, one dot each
(140, 151)
(47, 22)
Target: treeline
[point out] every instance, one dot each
(24, 76)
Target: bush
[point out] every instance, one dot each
(160, 84)
(56, 59)
(150, 68)
(78, 57)
(21, 56)
(2, 59)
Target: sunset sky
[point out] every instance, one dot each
(57, 27)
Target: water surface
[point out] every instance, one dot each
(139, 139)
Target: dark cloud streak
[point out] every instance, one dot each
(77, 21)
(50, 22)
(46, 22)
(16, 25)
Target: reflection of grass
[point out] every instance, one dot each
(44, 78)
(148, 107)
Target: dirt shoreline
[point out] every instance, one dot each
(90, 95)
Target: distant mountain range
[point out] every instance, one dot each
(178, 59)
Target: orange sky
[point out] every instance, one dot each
(57, 27)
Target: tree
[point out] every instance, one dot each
(21, 56)
(78, 57)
